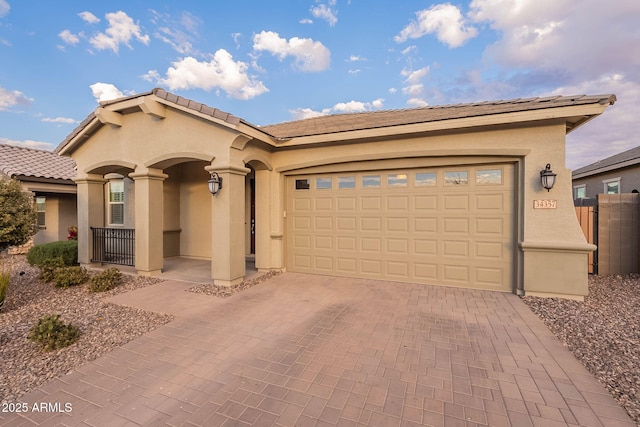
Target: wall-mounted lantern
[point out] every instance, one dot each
(215, 183)
(547, 177)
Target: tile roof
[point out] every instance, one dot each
(21, 161)
(624, 159)
(377, 119)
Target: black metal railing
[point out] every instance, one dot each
(114, 245)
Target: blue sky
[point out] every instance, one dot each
(275, 61)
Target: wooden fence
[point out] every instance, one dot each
(613, 224)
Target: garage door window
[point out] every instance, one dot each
(371, 181)
(302, 184)
(397, 180)
(456, 178)
(425, 179)
(323, 183)
(489, 177)
(347, 182)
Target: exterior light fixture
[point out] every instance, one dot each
(547, 177)
(215, 183)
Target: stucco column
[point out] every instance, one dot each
(263, 226)
(90, 213)
(227, 227)
(149, 208)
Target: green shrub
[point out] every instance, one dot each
(64, 277)
(5, 277)
(52, 333)
(106, 280)
(66, 250)
(49, 267)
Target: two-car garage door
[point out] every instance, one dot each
(446, 225)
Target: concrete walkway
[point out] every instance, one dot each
(320, 351)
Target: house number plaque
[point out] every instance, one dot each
(545, 204)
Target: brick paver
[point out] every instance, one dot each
(321, 351)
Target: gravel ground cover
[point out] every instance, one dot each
(227, 291)
(103, 327)
(603, 332)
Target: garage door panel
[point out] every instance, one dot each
(398, 246)
(323, 204)
(455, 248)
(426, 225)
(346, 265)
(324, 263)
(397, 224)
(455, 273)
(323, 242)
(323, 223)
(456, 202)
(407, 225)
(371, 244)
(345, 243)
(346, 204)
(456, 225)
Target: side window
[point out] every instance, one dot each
(116, 202)
(40, 209)
(580, 192)
(611, 186)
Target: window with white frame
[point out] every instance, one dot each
(116, 202)
(40, 209)
(611, 186)
(580, 192)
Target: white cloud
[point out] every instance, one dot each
(305, 21)
(4, 8)
(221, 72)
(415, 76)
(120, 31)
(64, 120)
(417, 102)
(68, 37)
(105, 92)
(355, 71)
(445, 20)
(309, 55)
(28, 143)
(89, 17)
(339, 108)
(179, 33)
(562, 36)
(11, 98)
(355, 58)
(326, 12)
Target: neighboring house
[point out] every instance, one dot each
(617, 174)
(50, 178)
(446, 195)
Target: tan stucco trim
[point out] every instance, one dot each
(481, 152)
(152, 107)
(552, 295)
(557, 247)
(108, 117)
(240, 141)
(94, 168)
(228, 169)
(171, 159)
(254, 157)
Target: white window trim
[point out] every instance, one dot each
(609, 181)
(42, 226)
(577, 187)
(110, 203)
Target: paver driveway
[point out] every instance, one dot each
(316, 350)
